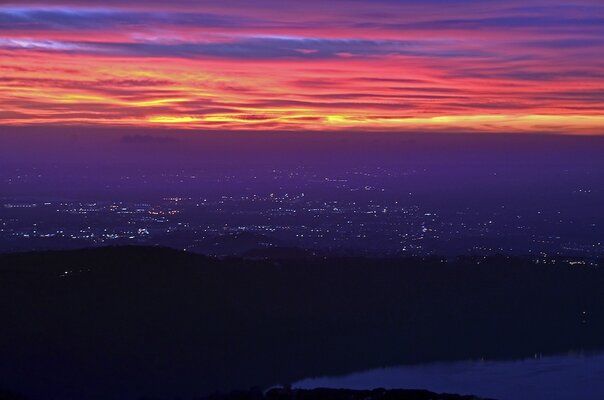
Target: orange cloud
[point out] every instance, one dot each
(513, 67)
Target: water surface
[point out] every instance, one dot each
(572, 376)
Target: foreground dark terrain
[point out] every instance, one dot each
(317, 394)
(128, 322)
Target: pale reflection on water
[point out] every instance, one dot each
(572, 376)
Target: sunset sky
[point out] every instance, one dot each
(323, 65)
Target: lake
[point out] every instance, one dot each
(562, 377)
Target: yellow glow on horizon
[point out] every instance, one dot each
(588, 124)
(167, 119)
(516, 121)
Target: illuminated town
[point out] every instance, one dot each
(349, 214)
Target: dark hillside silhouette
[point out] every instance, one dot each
(125, 322)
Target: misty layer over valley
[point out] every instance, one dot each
(259, 194)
